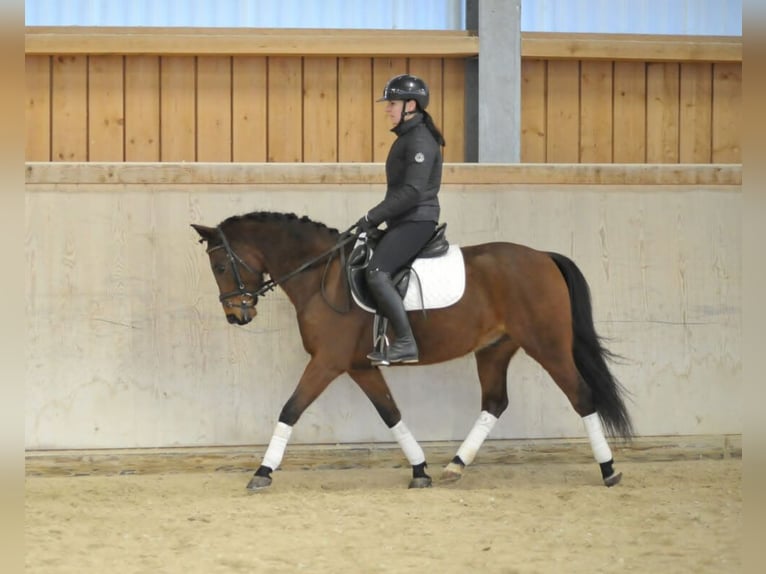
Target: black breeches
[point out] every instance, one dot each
(400, 245)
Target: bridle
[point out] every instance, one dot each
(250, 298)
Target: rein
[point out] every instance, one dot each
(235, 260)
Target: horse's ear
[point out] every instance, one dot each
(205, 233)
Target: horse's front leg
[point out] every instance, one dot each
(371, 381)
(315, 379)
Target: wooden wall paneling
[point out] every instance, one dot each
(563, 105)
(533, 110)
(596, 112)
(695, 113)
(178, 108)
(142, 108)
(106, 111)
(38, 108)
(320, 109)
(285, 109)
(214, 108)
(662, 113)
(664, 109)
(249, 109)
(430, 70)
(383, 69)
(453, 109)
(727, 112)
(355, 104)
(69, 109)
(629, 127)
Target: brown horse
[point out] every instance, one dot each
(515, 297)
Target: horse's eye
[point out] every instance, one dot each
(219, 268)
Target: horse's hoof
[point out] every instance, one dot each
(613, 479)
(258, 483)
(421, 482)
(450, 477)
(452, 473)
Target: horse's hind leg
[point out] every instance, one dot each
(492, 363)
(371, 381)
(559, 362)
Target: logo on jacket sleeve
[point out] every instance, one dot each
(419, 157)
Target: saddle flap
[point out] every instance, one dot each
(355, 268)
(358, 256)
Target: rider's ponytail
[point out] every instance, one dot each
(428, 120)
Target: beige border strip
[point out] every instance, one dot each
(43, 175)
(246, 458)
(250, 41)
(41, 40)
(647, 48)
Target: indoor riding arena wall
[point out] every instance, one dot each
(128, 346)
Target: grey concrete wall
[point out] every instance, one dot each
(128, 346)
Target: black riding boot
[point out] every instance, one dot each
(390, 304)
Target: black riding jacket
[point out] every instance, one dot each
(413, 175)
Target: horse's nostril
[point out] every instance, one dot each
(234, 320)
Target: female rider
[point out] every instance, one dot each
(410, 207)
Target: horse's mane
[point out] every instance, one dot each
(276, 217)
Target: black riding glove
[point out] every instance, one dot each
(364, 225)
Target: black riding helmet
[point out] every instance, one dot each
(406, 87)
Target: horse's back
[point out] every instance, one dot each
(504, 255)
(508, 268)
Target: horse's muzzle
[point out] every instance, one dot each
(235, 319)
(240, 312)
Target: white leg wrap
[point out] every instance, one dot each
(601, 450)
(472, 443)
(409, 445)
(277, 445)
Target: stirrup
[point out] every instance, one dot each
(379, 342)
(377, 358)
(396, 354)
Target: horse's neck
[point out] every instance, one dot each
(284, 255)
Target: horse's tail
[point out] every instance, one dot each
(591, 356)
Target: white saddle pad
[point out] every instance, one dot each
(442, 280)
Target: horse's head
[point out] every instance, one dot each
(238, 273)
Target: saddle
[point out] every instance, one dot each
(362, 253)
